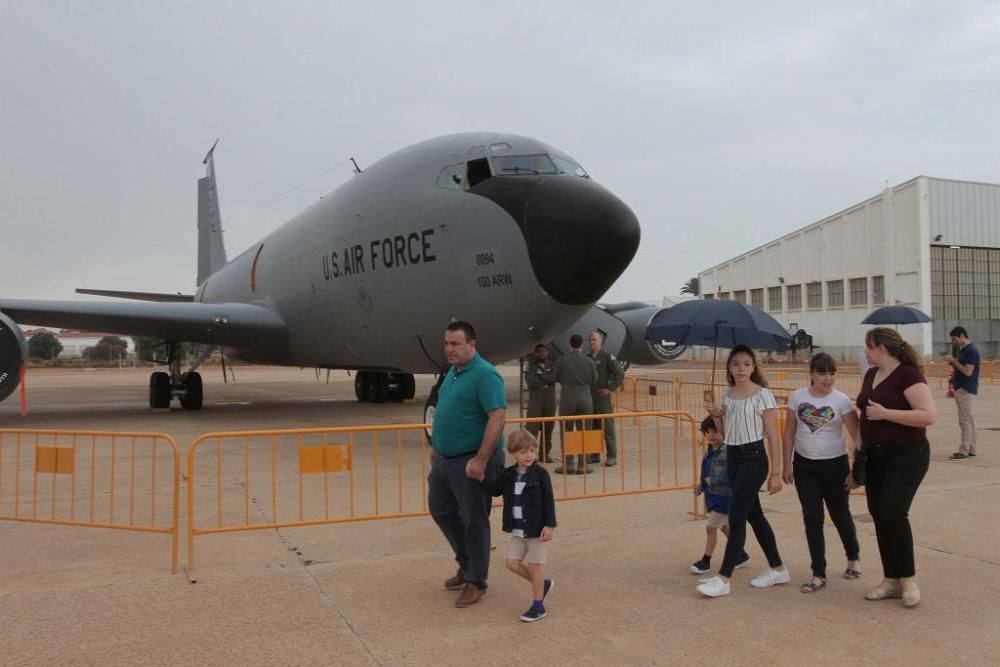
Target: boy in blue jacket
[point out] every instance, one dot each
(714, 483)
(529, 515)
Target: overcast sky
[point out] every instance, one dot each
(722, 125)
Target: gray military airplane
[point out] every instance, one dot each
(500, 230)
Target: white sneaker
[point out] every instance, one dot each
(714, 587)
(771, 577)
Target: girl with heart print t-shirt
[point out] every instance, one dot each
(815, 461)
(819, 432)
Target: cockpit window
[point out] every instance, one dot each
(569, 167)
(451, 176)
(524, 164)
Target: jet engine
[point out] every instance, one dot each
(13, 355)
(624, 329)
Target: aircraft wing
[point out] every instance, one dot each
(138, 296)
(229, 324)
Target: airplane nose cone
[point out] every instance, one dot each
(580, 237)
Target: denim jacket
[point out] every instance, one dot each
(713, 466)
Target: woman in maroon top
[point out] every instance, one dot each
(896, 409)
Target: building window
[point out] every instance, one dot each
(859, 291)
(740, 296)
(965, 283)
(794, 297)
(757, 298)
(709, 296)
(835, 293)
(774, 299)
(814, 295)
(981, 285)
(878, 290)
(724, 296)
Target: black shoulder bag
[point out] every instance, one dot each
(858, 467)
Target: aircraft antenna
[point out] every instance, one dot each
(357, 169)
(247, 211)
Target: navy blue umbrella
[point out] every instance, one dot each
(719, 323)
(896, 315)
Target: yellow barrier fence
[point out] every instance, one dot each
(95, 479)
(640, 394)
(254, 480)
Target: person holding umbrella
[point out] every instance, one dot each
(748, 416)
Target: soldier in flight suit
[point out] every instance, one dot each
(538, 375)
(575, 374)
(609, 377)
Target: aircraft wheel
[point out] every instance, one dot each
(369, 388)
(193, 393)
(430, 407)
(360, 380)
(380, 383)
(407, 387)
(159, 390)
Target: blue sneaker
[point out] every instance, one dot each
(533, 614)
(701, 566)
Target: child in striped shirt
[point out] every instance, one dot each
(529, 515)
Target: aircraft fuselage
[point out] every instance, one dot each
(369, 276)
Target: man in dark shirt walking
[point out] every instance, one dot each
(966, 384)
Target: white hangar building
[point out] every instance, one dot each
(930, 243)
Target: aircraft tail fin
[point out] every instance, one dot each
(211, 249)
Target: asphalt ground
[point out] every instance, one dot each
(371, 592)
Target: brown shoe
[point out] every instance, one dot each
(457, 582)
(471, 594)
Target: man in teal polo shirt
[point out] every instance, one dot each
(467, 434)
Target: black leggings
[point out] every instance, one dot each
(747, 467)
(892, 475)
(816, 481)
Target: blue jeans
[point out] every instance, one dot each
(747, 466)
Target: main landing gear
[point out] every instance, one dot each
(186, 387)
(379, 387)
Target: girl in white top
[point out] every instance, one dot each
(747, 415)
(814, 432)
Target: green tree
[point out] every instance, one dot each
(109, 348)
(114, 341)
(147, 349)
(152, 349)
(44, 345)
(691, 287)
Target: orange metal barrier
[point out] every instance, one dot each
(96, 479)
(254, 480)
(654, 450)
(674, 394)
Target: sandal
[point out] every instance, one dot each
(852, 574)
(811, 586)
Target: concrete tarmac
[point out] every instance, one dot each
(371, 593)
